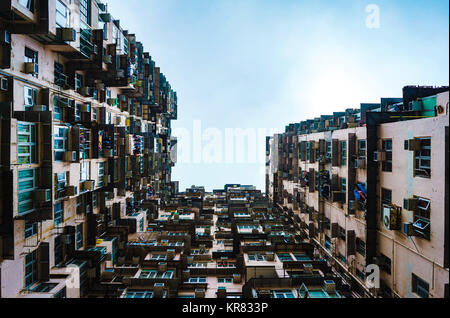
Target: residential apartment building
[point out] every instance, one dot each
(85, 128)
(370, 186)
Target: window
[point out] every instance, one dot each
(282, 294)
(141, 225)
(158, 257)
(386, 196)
(422, 217)
(362, 148)
(62, 15)
(138, 294)
(308, 152)
(422, 166)
(60, 77)
(197, 280)
(385, 263)
(420, 287)
(327, 243)
(329, 149)
(344, 185)
(31, 269)
(343, 153)
(29, 4)
(27, 185)
(85, 171)
(360, 246)
(342, 233)
(26, 142)
(58, 250)
(79, 236)
(284, 257)
(60, 141)
(31, 229)
(386, 146)
(29, 97)
(78, 82)
(59, 213)
(94, 199)
(342, 258)
(31, 57)
(85, 11)
(301, 257)
(224, 280)
(256, 257)
(85, 143)
(151, 273)
(59, 105)
(60, 185)
(101, 174)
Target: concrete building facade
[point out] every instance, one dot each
(370, 186)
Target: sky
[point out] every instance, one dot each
(259, 65)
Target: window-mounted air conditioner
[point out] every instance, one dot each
(107, 59)
(158, 290)
(39, 108)
(32, 68)
(85, 108)
(199, 293)
(85, 91)
(71, 156)
(391, 218)
(410, 204)
(68, 34)
(379, 156)
(360, 163)
(42, 195)
(88, 185)
(71, 191)
(413, 145)
(329, 286)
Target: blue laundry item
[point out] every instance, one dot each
(362, 188)
(356, 194)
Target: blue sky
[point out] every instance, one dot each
(266, 63)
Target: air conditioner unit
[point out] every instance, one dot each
(308, 268)
(237, 278)
(4, 84)
(68, 34)
(32, 68)
(199, 293)
(413, 145)
(408, 229)
(71, 156)
(410, 204)
(338, 196)
(120, 73)
(264, 293)
(85, 91)
(391, 218)
(66, 239)
(270, 256)
(39, 108)
(88, 185)
(162, 267)
(170, 254)
(329, 286)
(42, 195)
(379, 156)
(107, 59)
(85, 108)
(71, 191)
(158, 290)
(221, 292)
(360, 163)
(107, 179)
(108, 153)
(112, 101)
